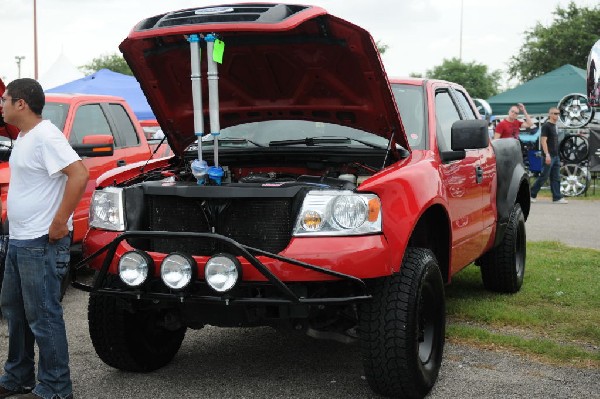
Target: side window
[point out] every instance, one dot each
(125, 127)
(89, 120)
(412, 111)
(464, 104)
(446, 114)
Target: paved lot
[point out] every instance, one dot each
(576, 224)
(259, 363)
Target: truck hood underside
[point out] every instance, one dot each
(280, 62)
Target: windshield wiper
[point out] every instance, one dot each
(310, 141)
(232, 141)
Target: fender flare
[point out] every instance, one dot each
(511, 177)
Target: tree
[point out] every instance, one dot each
(381, 47)
(567, 40)
(114, 62)
(479, 82)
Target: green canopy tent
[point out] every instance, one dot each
(543, 92)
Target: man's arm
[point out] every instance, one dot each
(77, 177)
(528, 122)
(544, 143)
(498, 131)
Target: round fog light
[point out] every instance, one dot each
(222, 272)
(134, 268)
(177, 270)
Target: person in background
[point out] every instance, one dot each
(6, 130)
(509, 127)
(46, 183)
(549, 142)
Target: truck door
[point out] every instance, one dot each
(487, 163)
(461, 184)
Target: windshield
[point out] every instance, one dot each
(56, 113)
(412, 111)
(296, 132)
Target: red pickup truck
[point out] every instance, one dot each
(338, 203)
(84, 119)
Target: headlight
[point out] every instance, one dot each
(222, 272)
(340, 213)
(177, 270)
(106, 209)
(134, 268)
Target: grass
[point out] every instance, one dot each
(555, 316)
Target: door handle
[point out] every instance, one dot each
(121, 162)
(478, 174)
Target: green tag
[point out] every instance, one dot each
(218, 51)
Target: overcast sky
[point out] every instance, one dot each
(420, 33)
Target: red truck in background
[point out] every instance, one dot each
(85, 119)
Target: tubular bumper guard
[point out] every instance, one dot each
(248, 253)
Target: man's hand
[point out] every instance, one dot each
(57, 231)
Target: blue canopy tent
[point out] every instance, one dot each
(111, 83)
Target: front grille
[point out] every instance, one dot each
(263, 223)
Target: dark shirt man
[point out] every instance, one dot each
(549, 142)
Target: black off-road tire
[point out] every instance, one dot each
(402, 329)
(503, 267)
(128, 338)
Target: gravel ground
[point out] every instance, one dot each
(260, 363)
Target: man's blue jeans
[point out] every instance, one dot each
(30, 303)
(552, 170)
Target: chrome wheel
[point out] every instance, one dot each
(575, 111)
(574, 180)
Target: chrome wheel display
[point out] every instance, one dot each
(574, 180)
(575, 111)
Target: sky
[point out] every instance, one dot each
(420, 33)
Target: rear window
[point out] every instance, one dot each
(56, 113)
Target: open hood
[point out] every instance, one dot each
(280, 62)
(6, 130)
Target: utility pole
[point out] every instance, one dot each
(461, 30)
(35, 43)
(19, 58)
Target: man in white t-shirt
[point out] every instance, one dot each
(47, 181)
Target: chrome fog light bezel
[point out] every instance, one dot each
(228, 267)
(187, 268)
(146, 267)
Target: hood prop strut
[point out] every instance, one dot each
(199, 166)
(215, 173)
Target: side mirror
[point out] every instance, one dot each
(593, 76)
(100, 145)
(469, 134)
(466, 135)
